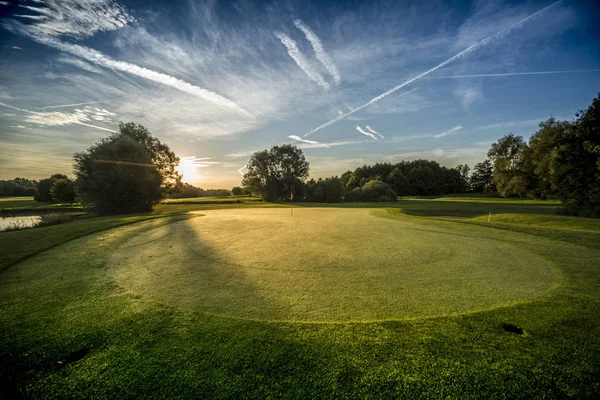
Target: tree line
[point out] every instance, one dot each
(561, 159)
(131, 171)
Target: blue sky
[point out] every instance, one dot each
(350, 82)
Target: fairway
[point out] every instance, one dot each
(327, 265)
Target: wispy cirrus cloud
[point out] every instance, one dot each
(82, 19)
(300, 60)
(78, 117)
(319, 50)
(78, 19)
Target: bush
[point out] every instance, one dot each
(378, 191)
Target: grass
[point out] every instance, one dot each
(205, 320)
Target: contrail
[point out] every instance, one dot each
(326, 124)
(294, 52)
(68, 105)
(98, 58)
(70, 122)
(319, 50)
(451, 131)
(448, 61)
(361, 130)
(299, 139)
(514, 74)
(374, 131)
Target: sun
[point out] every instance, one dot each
(188, 168)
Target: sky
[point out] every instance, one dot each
(350, 82)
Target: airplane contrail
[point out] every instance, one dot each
(326, 124)
(300, 60)
(299, 139)
(317, 46)
(361, 130)
(448, 61)
(514, 74)
(374, 131)
(68, 105)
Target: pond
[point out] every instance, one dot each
(21, 221)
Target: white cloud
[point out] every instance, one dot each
(300, 60)
(319, 50)
(468, 95)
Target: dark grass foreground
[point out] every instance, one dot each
(67, 330)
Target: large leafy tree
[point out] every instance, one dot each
(118, 175)
(276, 172)
(577, 164)
(163, 158)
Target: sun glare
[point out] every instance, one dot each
(188, 168)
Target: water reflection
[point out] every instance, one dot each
(18, 222)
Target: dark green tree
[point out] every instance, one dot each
(63, 191)
(43, 188)
(237, 191)
(118, 176)
(577, 164)
(276, 172)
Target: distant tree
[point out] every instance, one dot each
(482, 179)
(63, 191)
(421, 181)
(398, 181)
(511, 172)
(464, 184)
(18, 187)
(276, 172)
(43, 194)
(329, 190)
(118, 176)
(237, 191)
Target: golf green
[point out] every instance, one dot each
(327, 265)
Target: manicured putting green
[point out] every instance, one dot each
(327, 265)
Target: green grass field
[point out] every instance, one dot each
(335, 301)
